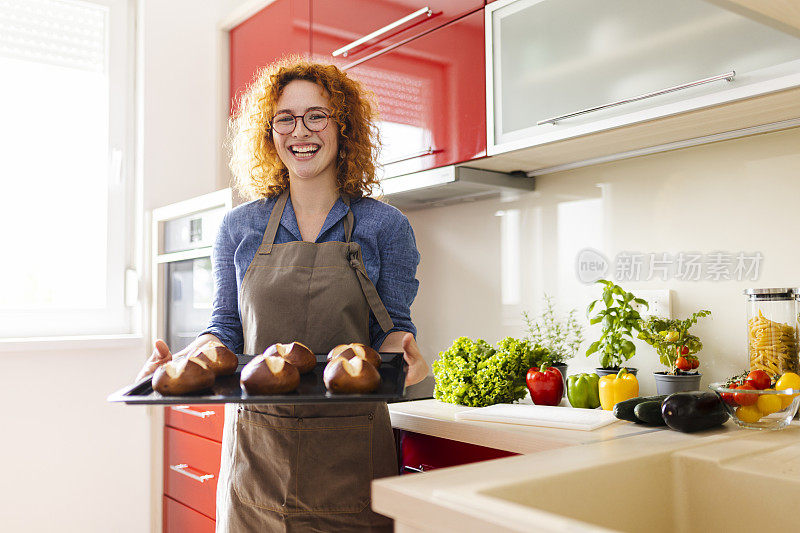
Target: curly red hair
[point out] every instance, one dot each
(258, 171)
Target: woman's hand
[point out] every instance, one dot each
(401, 341)
(161, 354)
(417, 367)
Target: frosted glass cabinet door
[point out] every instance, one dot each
(550, 58)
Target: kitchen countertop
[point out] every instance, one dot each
(657, 469)
(435, 418)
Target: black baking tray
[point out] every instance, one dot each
(226, 389)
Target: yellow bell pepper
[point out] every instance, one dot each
(616, 388)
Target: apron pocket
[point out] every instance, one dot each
(265, 460)
(335, 465)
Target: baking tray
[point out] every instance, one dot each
(226, 389)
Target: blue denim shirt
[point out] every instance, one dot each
(387, 243)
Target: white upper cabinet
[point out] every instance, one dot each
(560, 69)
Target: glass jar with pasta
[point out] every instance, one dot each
(772, 330)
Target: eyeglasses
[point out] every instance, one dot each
(313, 119)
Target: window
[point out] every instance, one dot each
(66, 136)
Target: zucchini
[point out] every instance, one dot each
(649, 413)
(624, 410)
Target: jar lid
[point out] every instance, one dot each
(772, 294)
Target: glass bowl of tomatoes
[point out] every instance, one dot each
(756, 401)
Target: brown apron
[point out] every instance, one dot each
(305, 467)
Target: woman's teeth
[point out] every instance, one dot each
(304, 151)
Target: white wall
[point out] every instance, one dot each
(72, 461)
(736, 196)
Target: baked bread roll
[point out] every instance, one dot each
(218, 358)
(182, 376)
(269, 374)
(350, 376)
(356, 349)
(296, 353)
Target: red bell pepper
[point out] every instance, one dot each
(545, 385)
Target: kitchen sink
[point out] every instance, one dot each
(748, 481)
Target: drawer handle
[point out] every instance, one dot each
(343, 51)
(181, 469)
(185, 409)
(427, 151)
(727, 76)
(419, 469)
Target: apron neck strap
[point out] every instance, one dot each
(348, 219)
(274, 221)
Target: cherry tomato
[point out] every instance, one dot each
(684, 350)
(695, 362)
(769, 403)
(729, 397)
(759, 379)
(744, 398)
(748, 413)
(683, 364)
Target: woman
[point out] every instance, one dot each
(298, 263)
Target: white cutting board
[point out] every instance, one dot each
(541, 415)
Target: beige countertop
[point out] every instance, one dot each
(655, 481)
(432, 417)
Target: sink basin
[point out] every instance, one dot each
(745, 482)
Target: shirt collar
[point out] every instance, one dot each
(289, 219)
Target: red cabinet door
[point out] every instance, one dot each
(204, 420)
(181, 519)
(420, 452)
(373, 25)
(281, 28)
(191, 469)
(431, 94)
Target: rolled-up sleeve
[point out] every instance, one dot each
(397, 284)
(225, 321)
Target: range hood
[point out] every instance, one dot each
(450, 184)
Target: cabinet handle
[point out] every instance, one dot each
(343, 51)
(181, 469)
(420, 469)
(187, 411)
(427, 151)
(727, 76)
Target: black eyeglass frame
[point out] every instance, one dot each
(301, 117)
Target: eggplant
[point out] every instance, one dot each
(693, 411)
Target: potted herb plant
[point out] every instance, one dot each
(675, 347)
(619, 319)
(560, 337)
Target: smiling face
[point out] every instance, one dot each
(308, 155)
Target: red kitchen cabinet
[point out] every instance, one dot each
(431, 97)
(191, 470)
(203, 420)
(281, 28)
(366, 27)
(420, 452)
(181, 519)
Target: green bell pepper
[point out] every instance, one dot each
(583, 391)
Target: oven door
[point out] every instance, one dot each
(189, 293)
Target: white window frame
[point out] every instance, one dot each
(122, 315)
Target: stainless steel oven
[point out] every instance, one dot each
(183, 282)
